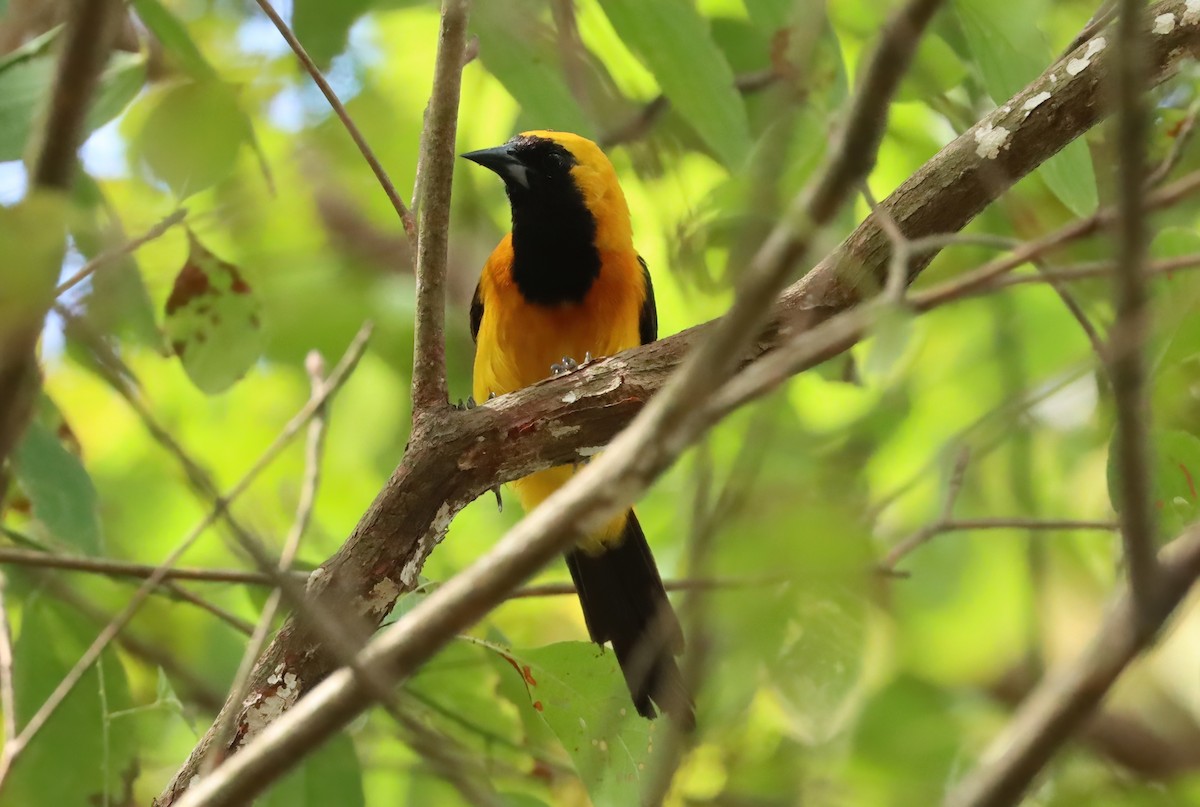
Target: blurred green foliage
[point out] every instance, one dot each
(824, 682)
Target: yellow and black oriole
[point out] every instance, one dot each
(567, 283)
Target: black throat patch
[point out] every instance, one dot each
(555, 260)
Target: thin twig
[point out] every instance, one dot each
(897, 275)
(385, 181)
(1127, 369)
(437, 160)
(104, 259)
(13, 748)
(941, 527)
(177, 591)
(314, 445)
(11, 556)
(8, 700)
(1067, 697)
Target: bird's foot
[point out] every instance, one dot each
(565, 366)
(466, 407)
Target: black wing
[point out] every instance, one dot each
(647, 322)
(477, 313)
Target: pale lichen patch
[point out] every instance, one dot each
(1191, 12)
(382, 595)
(990, 140)
(1164, 24)
(1077, 66)
(589, 451)
(264, 709)
(571, 397)
(563, 431)
(1036, 101)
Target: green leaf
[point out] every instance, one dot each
(118, 302)
(771, 15)
(212, 320)
(76, 758)
(1011, 52)
(323, 27)
(1176, 457)
(59, 488)
(936, 69)
(520, 51)
(332, 775)
(579, 691)
(192, 136)
(25, 83)
(673, 41)
(175, 39)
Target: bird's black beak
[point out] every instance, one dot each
(501, 160)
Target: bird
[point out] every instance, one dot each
(567, 284)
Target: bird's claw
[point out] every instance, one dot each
(565, 366)
(466, 407)
(499, 501)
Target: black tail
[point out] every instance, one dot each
(624, 602)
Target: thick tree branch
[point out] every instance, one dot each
(463, 454)
(1067, 698)
(437, 161)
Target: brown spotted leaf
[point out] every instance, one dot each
(212, 320)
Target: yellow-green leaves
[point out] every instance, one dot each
(25, 79)
(60, 490)
(212, 320)
(579, 691)
(330, 776)
(673, 40)
(192, 136)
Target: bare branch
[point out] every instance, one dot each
(437, 161)
(1066, 698)
(1126, 364)
(339, 109)
(11, 556)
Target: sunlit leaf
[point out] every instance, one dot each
(1010, 52)
(212, 320)
(331, 775)
(818, 673)
(118, 302)
(520, 51)
(59, 488)
(98, 760)
(25, 84)
(174, 37)
(191, 138)
(579, 691)
(673, 40)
